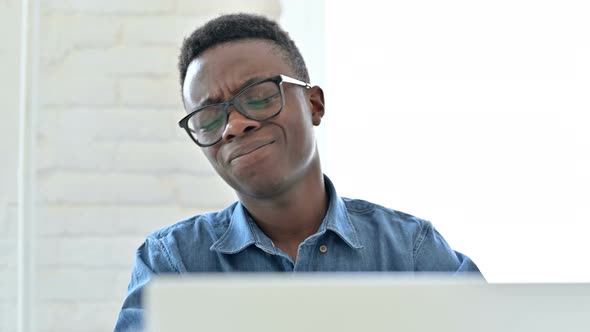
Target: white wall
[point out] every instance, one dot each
(304, 20)
(475, 121)
(9, 78)
(113, 164)
(473, 115)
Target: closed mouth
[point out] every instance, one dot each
(249, 151)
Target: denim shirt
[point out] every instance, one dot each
(355, 235)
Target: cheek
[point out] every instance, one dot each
(211, 155)
(300, 129)
(304, 113)
(298, 112)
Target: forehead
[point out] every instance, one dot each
(219, 71)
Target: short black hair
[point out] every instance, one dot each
(233, 27)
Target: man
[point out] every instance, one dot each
(252, 111)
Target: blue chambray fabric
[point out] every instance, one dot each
(355, 235)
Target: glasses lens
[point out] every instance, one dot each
(207, 125)
(260, 101)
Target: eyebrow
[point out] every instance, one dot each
(210, 101)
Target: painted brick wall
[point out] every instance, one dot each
(9, 75)
(113, 164)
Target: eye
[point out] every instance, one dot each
(258, 104)
(212, 125)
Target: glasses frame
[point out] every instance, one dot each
(278, 80)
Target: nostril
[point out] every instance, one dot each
(249, 128)
(229, 136)
(239, 125)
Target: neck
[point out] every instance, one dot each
(291, 217)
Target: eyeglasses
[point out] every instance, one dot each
(258, 101)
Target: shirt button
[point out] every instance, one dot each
(323, 248)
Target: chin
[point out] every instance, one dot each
(261, 187)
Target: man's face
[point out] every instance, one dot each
(257, 159)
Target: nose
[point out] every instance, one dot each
(238, 125)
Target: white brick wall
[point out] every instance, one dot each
(103, 188)
(117, 61)
(69, 220)
(191, 7)
(165, 30)
(8, 283)
(87, 34)
(79, 316)
(8, 221)
(7, 316)
(9, 46)
(149, 92)
(85, 251)
(7, 252)
(77, 89)
(131, 156)
(116, 124)
(81, 283)
(117, 7)
(113, 165)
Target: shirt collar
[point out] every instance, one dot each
(243, 231)
(337, 219)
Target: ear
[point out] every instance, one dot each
(316, 97)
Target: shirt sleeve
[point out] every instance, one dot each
(433, 254)
(151, 258)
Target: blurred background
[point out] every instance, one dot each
(471, 115)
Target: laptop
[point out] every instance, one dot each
(361, 302)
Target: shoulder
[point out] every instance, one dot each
(373, 220)
(407, 235)
(380, 214)
(177, 247)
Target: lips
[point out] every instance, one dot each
(245, 149)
